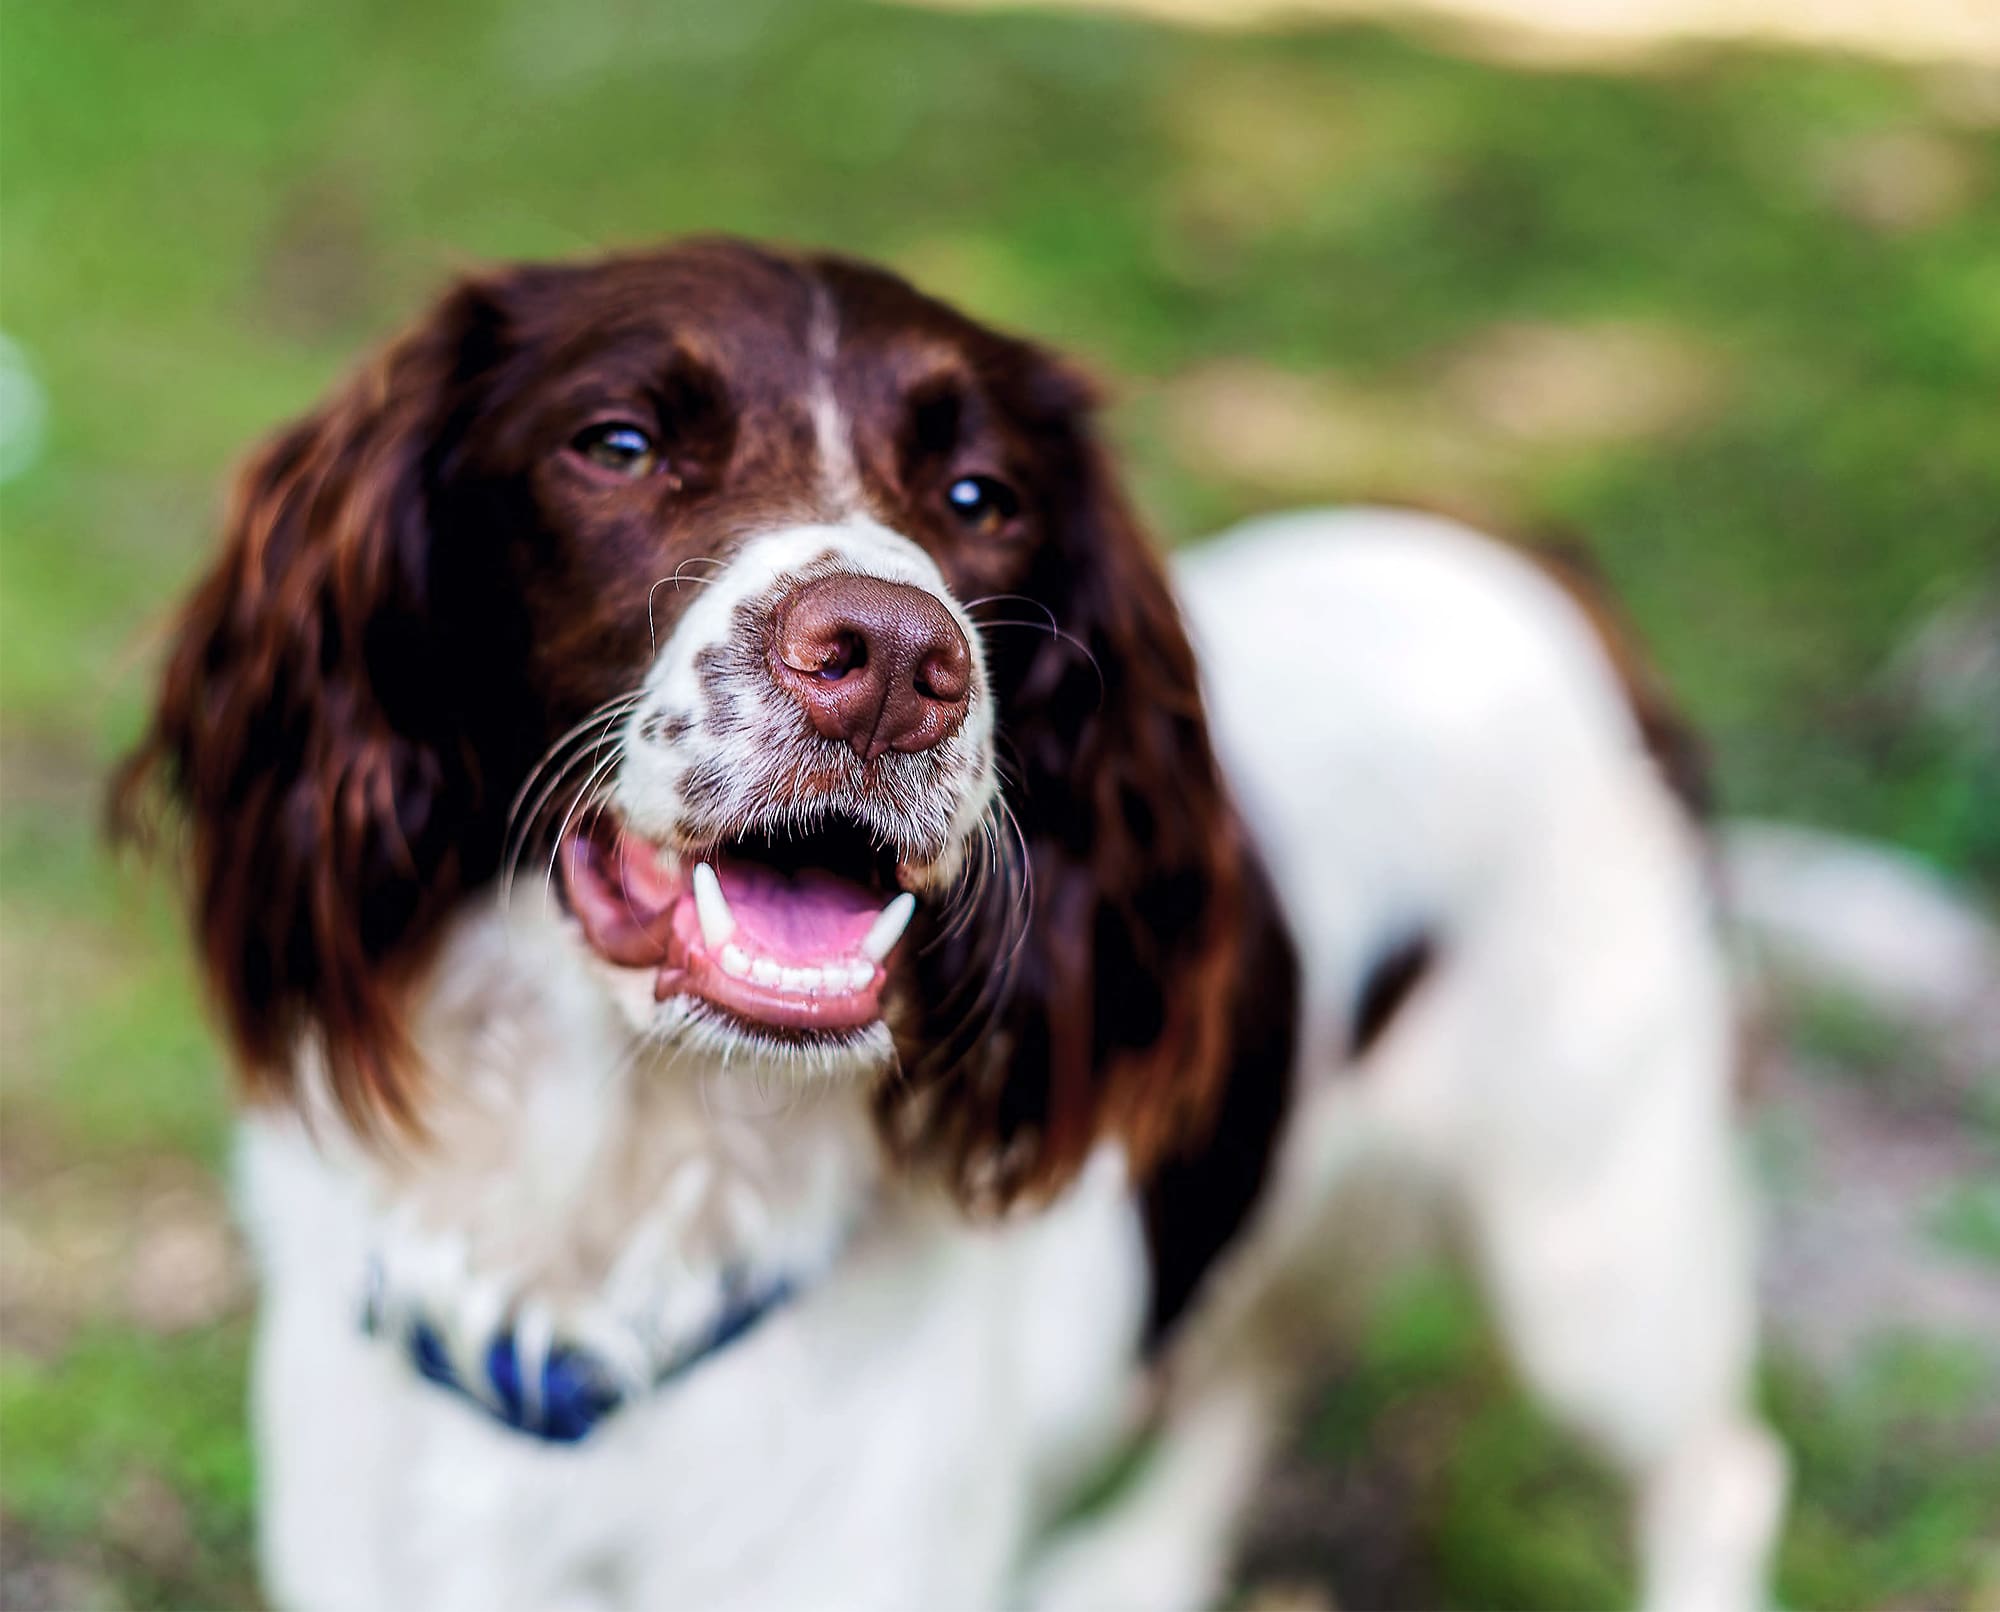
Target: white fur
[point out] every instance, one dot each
(1422, 732)
(840, 477)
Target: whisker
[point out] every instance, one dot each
(676, 579)
(602, 715)
(1056, 632)
(562, 743)
(966, 901)
(518, 844)
(590, 783)
(1024, 895)
(521, 827)
(1005, 598)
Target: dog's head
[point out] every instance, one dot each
(792, 626)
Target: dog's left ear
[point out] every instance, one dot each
(308, 731)
(1119, 1011)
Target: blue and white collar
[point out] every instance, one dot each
(554, 1388)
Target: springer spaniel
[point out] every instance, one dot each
(783, 1024)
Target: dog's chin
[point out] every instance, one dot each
(704, 1035)
(711, 1037)
(761, 951)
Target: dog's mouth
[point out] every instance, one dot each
(785, 931)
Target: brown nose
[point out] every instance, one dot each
(879, 664)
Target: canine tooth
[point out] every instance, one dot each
(764, 971)
(792, 979)
(735, 961)
(888, 928)
(859, 974)
(718, 923)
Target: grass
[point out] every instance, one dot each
(209, 209)
(1898, 1469)
(1895, 1468)
(1967, 1220)
(1506, 1511)
(96, 1439)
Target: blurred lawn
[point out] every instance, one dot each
(1735, 320)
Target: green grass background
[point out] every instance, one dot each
(208, 209)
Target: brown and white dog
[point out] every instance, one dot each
(782, 1026)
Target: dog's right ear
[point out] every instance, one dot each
(303, 731)
(1119, 964)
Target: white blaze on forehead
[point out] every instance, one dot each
(839, 476)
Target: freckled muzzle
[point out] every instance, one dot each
(831, 763)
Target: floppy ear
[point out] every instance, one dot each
(305, 728)
(1121, 1008)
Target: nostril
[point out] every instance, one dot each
(829, 656)
(940, 678)
(847, 653)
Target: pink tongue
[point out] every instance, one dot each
(806, 918)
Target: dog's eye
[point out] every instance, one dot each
(984, 503)
(618, 446)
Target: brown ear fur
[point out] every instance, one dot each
(304, 729)
(1116, 1010)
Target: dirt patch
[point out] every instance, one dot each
(1580, 385)
(145, 1243)
(1459, 431)
(1849, 1248)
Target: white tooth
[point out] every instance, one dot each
(718, 923)
(812, 978)
(735, 961)
(792, 979)
(888, 928)
(764, 971)
(859, 974)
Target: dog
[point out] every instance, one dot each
(795, 995)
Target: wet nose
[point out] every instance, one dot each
(881, 665)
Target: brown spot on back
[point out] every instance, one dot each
(1676, 748)
(1387, 986)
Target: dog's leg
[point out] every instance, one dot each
(1164, 1541)
(1599, 1176)
(1623, 1294)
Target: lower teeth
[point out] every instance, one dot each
(739, 964)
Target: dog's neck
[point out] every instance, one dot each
(576, 1166)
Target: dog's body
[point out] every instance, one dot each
(1490, 965)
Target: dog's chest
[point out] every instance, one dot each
(891, 1438)
(926, 1380)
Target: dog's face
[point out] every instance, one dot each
(788, 627)
(773, 501)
